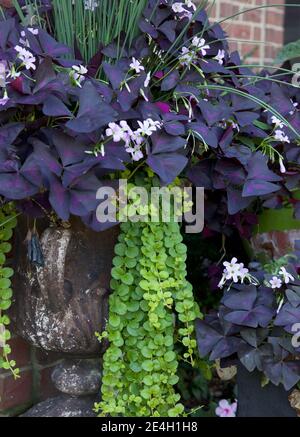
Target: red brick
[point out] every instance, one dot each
(228, 9)
(275, 18)
(274, 36)
(271, 52)
(241, 31)
(253, 16)
(250, 48)
(20, 351)
(257, 34)
(13, 392)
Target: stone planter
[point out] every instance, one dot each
(255, 401)
(60, 306)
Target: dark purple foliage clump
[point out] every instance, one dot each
(213, 125)
(257, 326)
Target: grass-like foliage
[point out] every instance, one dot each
(87, 24)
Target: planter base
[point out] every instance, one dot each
(79, 381)
(64, 406)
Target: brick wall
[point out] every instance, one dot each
(34, 385)
(258, 34)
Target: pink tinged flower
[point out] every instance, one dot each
(287, 277)
(119, 132)
(280, 136)
(225, 409)
(275, 282)
(135, 152)
(137, 138)
(136, 65)
(114, 131)
(220, 57)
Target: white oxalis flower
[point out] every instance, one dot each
(4, 99)
(90, 5)
(78, 72)
(232, 269)
(235, 272)
(136, 65)
(287, 277)
(280, 136)
(186, 57)
(27, 58)
(178, 7)
(282, 166)
(200, 44)
(220, 57)
(275, 282)
(190, 4)
(277, 122)
(119, 132)
(148, 126)
(147, 80)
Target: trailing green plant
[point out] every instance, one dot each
(152, 308)
(8, 222)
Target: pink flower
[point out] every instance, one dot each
(159, 74)
(225, 409)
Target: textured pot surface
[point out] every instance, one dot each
(255, 401)
(60, 306)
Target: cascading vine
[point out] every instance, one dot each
(8, 222)
(152, 308)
